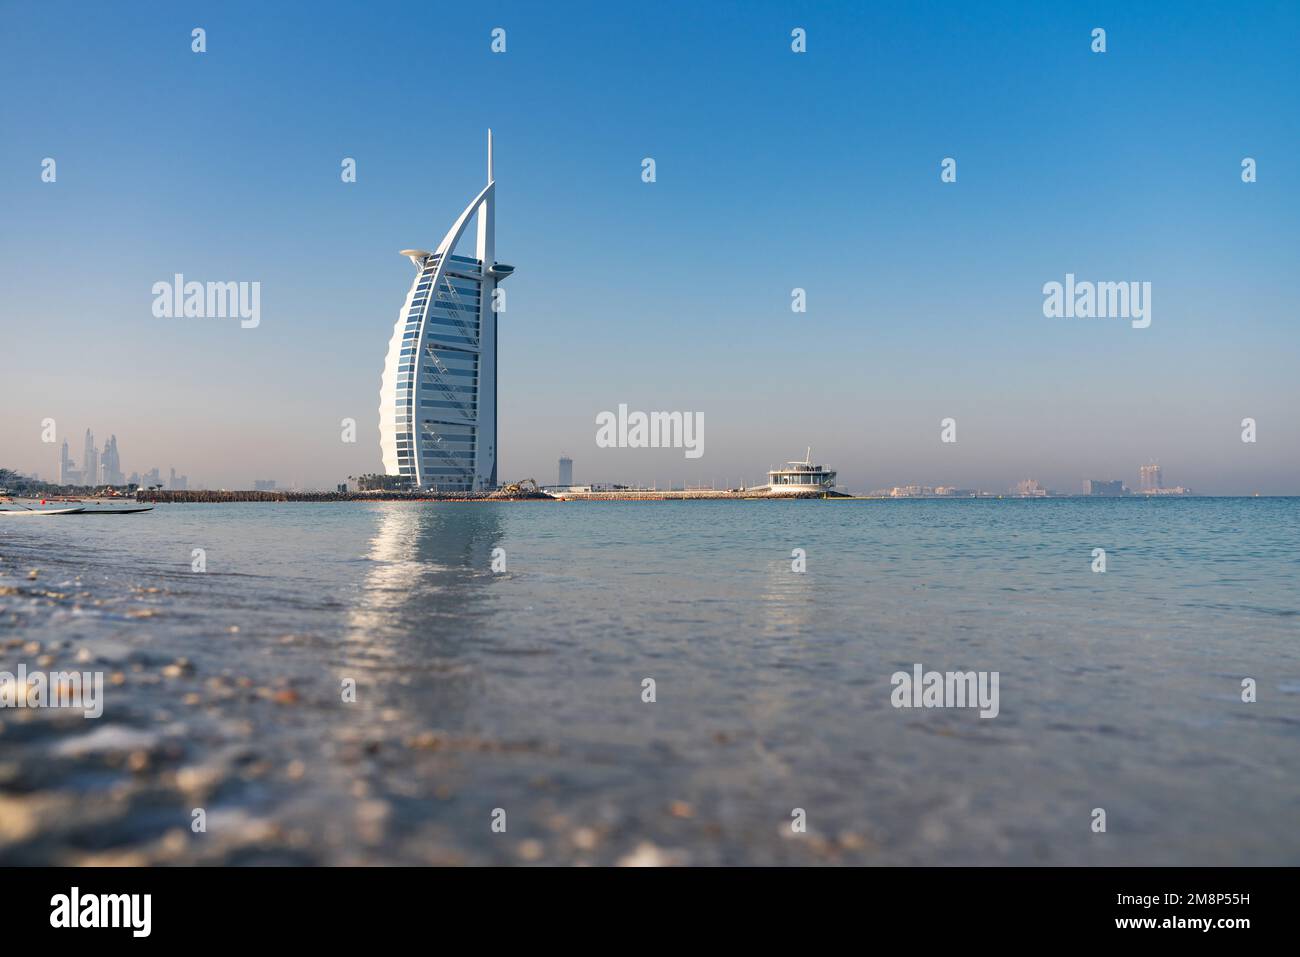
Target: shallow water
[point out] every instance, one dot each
(523, 690)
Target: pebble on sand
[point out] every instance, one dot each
(181, 667)
(530, 849)
(648, 855)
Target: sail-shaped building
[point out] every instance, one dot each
(438, 394)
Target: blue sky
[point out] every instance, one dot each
(775, 170)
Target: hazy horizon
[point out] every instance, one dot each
(774, 171)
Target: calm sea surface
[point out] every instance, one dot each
(522, 691)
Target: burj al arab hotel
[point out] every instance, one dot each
(438, 394)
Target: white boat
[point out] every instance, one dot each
(127, 507)
(800, 478)
(23, 510)
(73, 506)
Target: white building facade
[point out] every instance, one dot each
(438, 393)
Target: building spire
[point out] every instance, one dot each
(490, 176)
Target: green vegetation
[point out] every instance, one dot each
(24, 486)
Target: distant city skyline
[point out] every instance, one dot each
(1033, 488)
(1149, 481)
(1148, 478)
(98, 467)
(817, 171)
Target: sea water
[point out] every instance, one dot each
(657, 683)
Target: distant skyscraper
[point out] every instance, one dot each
(438, 393)
(1151, 478)
(263, 485)
(110, 465)
(178, 483)
(1103, 487)
(65, 465)
(90, 461)
(566, 470)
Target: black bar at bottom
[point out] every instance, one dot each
(304, 905)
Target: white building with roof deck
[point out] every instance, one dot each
(438, 393)
(800, 478)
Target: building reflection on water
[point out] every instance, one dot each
(789, 601)
(426, 600)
